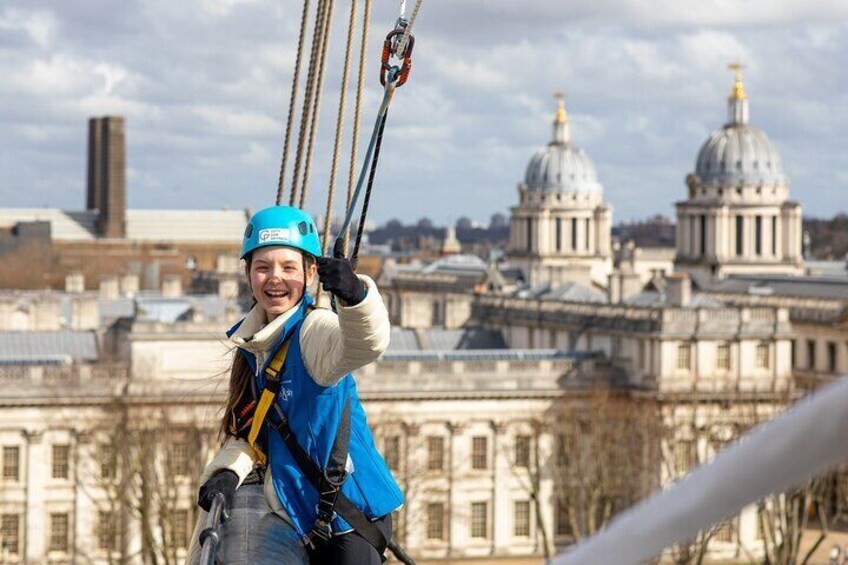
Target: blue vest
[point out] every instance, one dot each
(313, 413)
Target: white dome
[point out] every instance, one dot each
(561, 166)
(739, 153)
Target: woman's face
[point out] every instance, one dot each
(277, 278)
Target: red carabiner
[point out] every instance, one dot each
(406, 66)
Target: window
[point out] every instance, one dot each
(740, 230)
(58, 532)
(522, 451)
(703, 239)
(60, 461)
(529, 234)
(435, 453)
(831, 357)
(723, 357)
(10, 532)
(180, 460)
(574, 234)
(588, 233)
(436, 521)
(758, 235)
(685, 455)
(563, 525)
(763, 355)
(107, 531)
(392, 452)
(479, 520)
(521, 519)
(684, 356)
(479, 453)
(182, 534)
(792, 354)
(108, 461)
(811, 354)
(437, 314)
(774, 235)
(558, 229)
(11, 463)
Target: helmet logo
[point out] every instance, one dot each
(280, 235)
(302, 227)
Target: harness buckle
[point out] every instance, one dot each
(323, 529)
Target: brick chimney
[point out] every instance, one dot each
(107, 175)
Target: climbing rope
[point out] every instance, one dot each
(391, 77)
(292, 100)
(328, 215)
(401, 46)
(354, 143)
(319, 87)
(399, 43)
(306, 110)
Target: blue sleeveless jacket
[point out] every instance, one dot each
(313, 413)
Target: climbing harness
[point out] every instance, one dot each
(267, 399)
(328, 481)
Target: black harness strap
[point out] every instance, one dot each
(331, 498)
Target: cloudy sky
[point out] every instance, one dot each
(204, 87)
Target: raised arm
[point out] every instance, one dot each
(334, 345)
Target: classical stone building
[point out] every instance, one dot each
(738, 217)
(560, 229)
(109, 411)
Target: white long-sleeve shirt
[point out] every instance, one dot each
(331, 346)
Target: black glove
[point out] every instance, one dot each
(337, 276)
(224, 482)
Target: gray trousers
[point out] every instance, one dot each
(253, 535)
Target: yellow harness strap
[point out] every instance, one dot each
(269, 395)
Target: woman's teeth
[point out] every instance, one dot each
(275, 293)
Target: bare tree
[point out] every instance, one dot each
(605, 457)
(143, 477)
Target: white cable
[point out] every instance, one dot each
(806, 440)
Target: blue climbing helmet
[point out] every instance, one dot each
(281, 225)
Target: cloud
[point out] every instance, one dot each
(204, 85)
(39, 26)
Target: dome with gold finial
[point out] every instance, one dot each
(739, 153)
(561, 166)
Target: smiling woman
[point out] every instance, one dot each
(278, 277)
(298, 461)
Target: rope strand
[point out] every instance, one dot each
(360, 86)
(401, 46)
(292, 101)
(328, 216)
(367, 199)
(318, 26)
(316, 105)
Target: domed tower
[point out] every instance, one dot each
(738, 217)
(560, 230)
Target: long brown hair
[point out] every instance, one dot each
(240, 375)
(240, 372)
